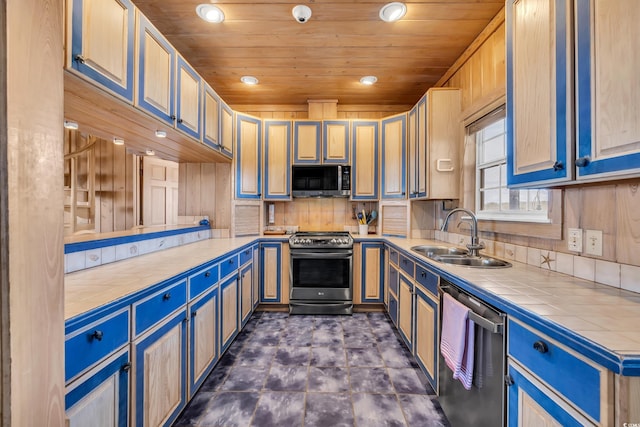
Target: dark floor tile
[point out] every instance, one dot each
(407, 380)
(194, 410)
(333, 380)
(322, 337)
(287, 378)
(230, 409)
(328, 409)
(271, 325)
(270, 337)
(328, 355)
(292, 356)
(256, 355)
(245, 378)
(420, 410)
(397, 357)
(275, 315)
(215, 378)
(277, 409)
(296, 340)
(368, 356)
(374, 410)
(301, 320)
(359, 339)
(370, 380)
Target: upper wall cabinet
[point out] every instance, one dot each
(101, 40)
(539, 102)
(335, 141)
(277, 159)
(394, 157)
(248, 156)
(226, 129)
(188, 99)
(211, 118)
(607, 89)
(156, 72)
(364, 171)
(306, 141)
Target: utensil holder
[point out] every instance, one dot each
(363, 229)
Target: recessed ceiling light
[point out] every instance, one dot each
(368, 80)
(392, 12)
(161, 134)
(150, 152)
(210, 13)
(301, 13)
(249, 80)
(118, 141)
(68, 124)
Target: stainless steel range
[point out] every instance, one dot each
(321, 273)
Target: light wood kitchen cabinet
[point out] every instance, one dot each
(246, 285)
(335, 141)
(188, 94)
(307, 141)
(211, 118)
(102, 43)
(274, 278)
(405, 309)
(426, 333)
(256, 276)
(277, 160)
(226, 129)
(229, 302)
(364, 170)
(248, 158)
(156, 72)
(371, 274)
(393, 169)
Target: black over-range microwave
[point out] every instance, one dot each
(321, 180)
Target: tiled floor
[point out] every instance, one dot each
(324, 371)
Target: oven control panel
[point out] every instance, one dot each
(321, 240)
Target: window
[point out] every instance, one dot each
(494, 201)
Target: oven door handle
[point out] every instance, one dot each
(332, 255)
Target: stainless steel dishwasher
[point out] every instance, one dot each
(484, 404)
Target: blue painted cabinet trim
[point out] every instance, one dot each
(364, 247)
(258, 173)
(144, 28)
(325, 142)
(228, 110)
(152, 310)
(197, 133)
(297, 141)
(178, 319)
(563, 124)
(354, 166)
(268, 124)
(412, 171)
(436, 313)
(278, 248)
(248, 269)
(228, 282)
(215, 144)
(408, 340)
(403, 119)
(85, 68)
(195, 383)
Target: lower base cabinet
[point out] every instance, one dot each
(229, 308)
(426, 333)
(246, 293)
(101, 396)
(405, 310)
(203, 338)
(160, 386)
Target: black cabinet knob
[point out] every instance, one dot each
(422, 274)
(79, 58)
(207, 274)
(180, 120)
(173, 117)
(166, 296)
(194, 314)
(508, 380)
(231, 262)
(126, 367)
(558, 166)
(540, 346)
(97, 335)
(583, 161)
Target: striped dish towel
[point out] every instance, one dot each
(457, 341)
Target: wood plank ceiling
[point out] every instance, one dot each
(325, 57)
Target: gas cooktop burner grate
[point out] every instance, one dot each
(321, 239)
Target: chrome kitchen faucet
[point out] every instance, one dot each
(475, 246)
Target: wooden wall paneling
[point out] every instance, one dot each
(104, 186)
(222, 216)
(423, 217)
(627, 237)
(208, 190)
(182, 189)
(131, 191)
(193, 178)
(595, 214)
(119, 184)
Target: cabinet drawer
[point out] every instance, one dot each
(565, 371)
(427, 279)
(407, 265)
(228, 266)
(202, 280)
(92, 343)
(393, 256)
(393, 309)
(245, 256)
(156, 307)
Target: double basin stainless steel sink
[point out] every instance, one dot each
(458, 256)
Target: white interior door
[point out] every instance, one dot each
(159, 192)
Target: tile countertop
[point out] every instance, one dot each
(598, 320)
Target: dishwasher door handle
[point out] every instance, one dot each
(493, 327)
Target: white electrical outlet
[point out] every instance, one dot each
(574, 239)
(593, 242)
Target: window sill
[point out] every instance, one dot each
(513, 218)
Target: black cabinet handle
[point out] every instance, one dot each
(126, 367)
(558, 166)
(540, 346)
(173, 117)
(194, 314)
(247, 251)
(97, 335)
(231, 261)
(79, 58)
(180, 121)
(207, 274)
(166, 296)
(508, 380)
(583, 161)
(422, 274)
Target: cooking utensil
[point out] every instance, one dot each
(360, 218)
(372, 216)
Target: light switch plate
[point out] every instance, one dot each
(574, 239)
(593, 242)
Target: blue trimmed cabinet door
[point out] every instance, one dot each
(277, 159)
(405, 309)
(160, 382)
(372, 273)
(306, 141)
(188, 99)
(539, 103)
(248, 156)
(103, 53)
(364, 171)
(335, 141)
(271, 277)
(211, 117)
(426, 334)
(607, 90)
(229, 309)
(246, 292)
(101, 396)
(226, 129)
(394, 157)
(203, 338)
